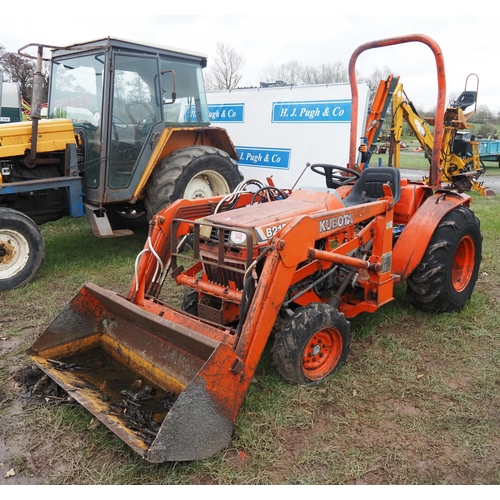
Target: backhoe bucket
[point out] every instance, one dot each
(165, 389)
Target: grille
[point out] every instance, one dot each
(223, 275)
(214, 235)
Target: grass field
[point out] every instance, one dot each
(417, 402)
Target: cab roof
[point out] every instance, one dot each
(122, 43)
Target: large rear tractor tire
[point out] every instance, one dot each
(191, 173)
(445, 278)
(22, 249)
(312, 344)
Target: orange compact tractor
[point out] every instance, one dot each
(170, 382)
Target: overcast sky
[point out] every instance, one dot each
(322, 33)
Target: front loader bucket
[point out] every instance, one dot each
(165, 389)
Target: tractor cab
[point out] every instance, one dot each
(119, 96)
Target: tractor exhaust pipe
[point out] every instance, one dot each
(36, 102)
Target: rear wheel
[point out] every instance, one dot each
(448, 272)
(191, 173)
(22, 249)
(312, 344)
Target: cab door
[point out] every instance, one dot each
(135, 116)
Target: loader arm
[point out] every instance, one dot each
(283, 258)
(295, 244)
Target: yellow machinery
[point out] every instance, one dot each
(127, 133)
(460, 164)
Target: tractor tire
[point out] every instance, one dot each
(448, 272)
(192, 172)
(311, 345)
(190, 301)
(22, 249)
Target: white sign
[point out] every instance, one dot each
(277, 130)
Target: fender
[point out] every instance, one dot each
(174, 138)
(414, 240)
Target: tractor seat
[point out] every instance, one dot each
(368, 187)
(466, 99)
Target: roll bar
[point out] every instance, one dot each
(434, 174)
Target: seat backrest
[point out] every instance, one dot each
(466, 99)
(369, 188)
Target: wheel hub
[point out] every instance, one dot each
(463, 264)
(7, 252)
(316, 349)
(14, 253)
(206, 184)
(322, 353)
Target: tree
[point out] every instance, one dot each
(326, 73)
(484, 114)
(294, 73)
(374, 79)
(20, 69)
(225, 73)
(289, 73)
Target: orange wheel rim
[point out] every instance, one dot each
(322, 353)
(463, 264)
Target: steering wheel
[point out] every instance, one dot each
(133, 117)
(120, 122)
(337, 180)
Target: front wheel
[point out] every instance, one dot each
(448, 272)
(312, 344)
(190, 301)
(191, 173)
(22, 249)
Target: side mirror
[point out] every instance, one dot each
(174, 93)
